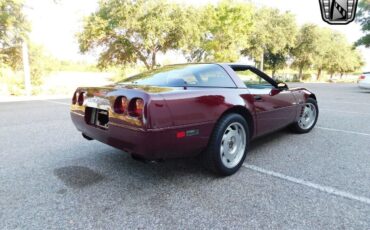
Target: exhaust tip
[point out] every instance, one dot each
(87, 137)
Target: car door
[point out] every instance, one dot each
(274, 108)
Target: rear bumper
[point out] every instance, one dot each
(365, 85)
(148, 144)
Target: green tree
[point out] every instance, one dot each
(351, 62)
(341, 57)
(224, 29)
(13, 30)
(128, 31)
(363, 17)
(275, 61)
(272, 37)
(307, 47)
(41, 63)
(323, 50)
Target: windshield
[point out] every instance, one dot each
(197, 75)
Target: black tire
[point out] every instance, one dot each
(295, 127)
(212, 158)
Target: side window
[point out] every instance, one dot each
(190, 79)
(252, 80)
(178, 78)
(215, 76)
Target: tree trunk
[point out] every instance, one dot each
(262, 57)
(318, 74)
(154, 60)
(300, 73)
(273, 73)
(146, 64)
(26, 69)
(142, 58)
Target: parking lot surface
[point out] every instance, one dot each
(50, 177)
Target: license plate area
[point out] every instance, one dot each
(97, 117)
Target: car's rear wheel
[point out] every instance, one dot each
(308, 118)
(228, 145)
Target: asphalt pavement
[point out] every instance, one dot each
(50, 177)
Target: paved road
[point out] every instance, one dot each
(50, 177)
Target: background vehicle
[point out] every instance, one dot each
(364, 80)
(184, 110)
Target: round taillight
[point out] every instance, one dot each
(136, 107)
(74, 98)
(81, 97)
(362, 77)
(120, 105)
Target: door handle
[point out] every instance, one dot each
(257, 98)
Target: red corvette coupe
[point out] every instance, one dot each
(185, 110)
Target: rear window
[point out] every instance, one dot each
(199, 75)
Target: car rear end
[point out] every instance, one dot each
(364, 80)
(133, 119)
(99, 113)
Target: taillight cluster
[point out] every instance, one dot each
(78, 98)
(120, 105)
(134, 107)
(74, 98)
(362, 77)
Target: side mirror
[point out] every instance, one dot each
(274, 91)
(282, 86)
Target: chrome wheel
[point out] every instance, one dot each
(233, 145)
(308, 117)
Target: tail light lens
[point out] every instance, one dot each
(120, 105)
(74, 98)
(81, 98)
(136, 107)
(362, 77)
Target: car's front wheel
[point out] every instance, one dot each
(228, 145)
(308, 117)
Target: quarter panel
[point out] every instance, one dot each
(191, 106)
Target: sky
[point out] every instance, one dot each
(54, 25)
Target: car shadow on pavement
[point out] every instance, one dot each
(123, 163)
(164, 169)
(118, 167)
(269, 139)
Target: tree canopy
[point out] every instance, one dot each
(129, 31)
(324, 49)
(308, 48)
(272, 37)
(224, 29)
(341, 56)
(363, 17)
(13, 30)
